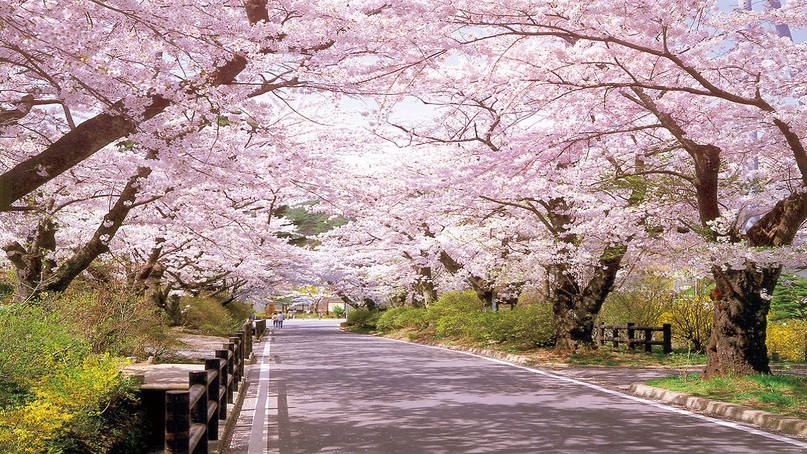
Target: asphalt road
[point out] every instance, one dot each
(330, 391)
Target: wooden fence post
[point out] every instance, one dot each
(615, 342)
(600, 334)
(177, 422)
(667, 329)
(631, 346)
(199, 411)
(213, 369)
(235, 342)
(225, 380)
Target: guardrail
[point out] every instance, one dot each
(630, 338)
(191, 417)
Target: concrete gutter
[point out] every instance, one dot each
(785, 424)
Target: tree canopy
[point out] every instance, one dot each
(501, 146)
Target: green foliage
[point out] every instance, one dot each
(110, 320)
(307, 223)
(459, 314)
(239, 311)
(363, 318)
(789, 298)
(643, 303)
(207, 315)
(528, 325)
(462, 315)
(691, 318)
(32, 341)
(338, 311)
(56, 396)
(7, 284)
(404, 317)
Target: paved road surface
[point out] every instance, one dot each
(335, 392)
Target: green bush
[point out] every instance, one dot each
(403, 317)
(363, 318)
(458, 314)
(111, 320)
(209, 316)
(528, 325)
(338, 311)
(55, 395)
(32, 341)
(642, 303)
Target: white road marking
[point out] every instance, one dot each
(258, 438)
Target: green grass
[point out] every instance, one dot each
(609, 357)
(785, 394)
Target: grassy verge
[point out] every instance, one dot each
(784, 394)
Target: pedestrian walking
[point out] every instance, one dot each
(280, 320)
(274, 320)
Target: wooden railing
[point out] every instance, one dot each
(611, 333)
(192, 416)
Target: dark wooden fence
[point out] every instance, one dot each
(611, 333)
(192, 416)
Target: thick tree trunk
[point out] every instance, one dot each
(425, 287)
(742, 300)
(742, 297)
(31, 266)
(574, 324)
(575, 308)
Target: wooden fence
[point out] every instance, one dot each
(611, 333)
(192, 416)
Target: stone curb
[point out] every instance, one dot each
(789, 425)
(785, 424)
(233, 412)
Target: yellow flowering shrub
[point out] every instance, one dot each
(786, 340)
(64, 407)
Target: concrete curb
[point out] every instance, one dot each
(233, 411)
(785, 424)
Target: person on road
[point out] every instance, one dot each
(280, 320)
(274, 320)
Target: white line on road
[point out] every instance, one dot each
(620, 394)
(258, 438)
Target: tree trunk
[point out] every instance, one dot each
(483, 288)
(31, 266)
(742, 300)
(575, 308)
(425, 287)
(574, 324)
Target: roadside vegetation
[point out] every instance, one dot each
(61, 357)
(785, 394)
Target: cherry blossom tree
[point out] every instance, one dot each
(703, 92)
